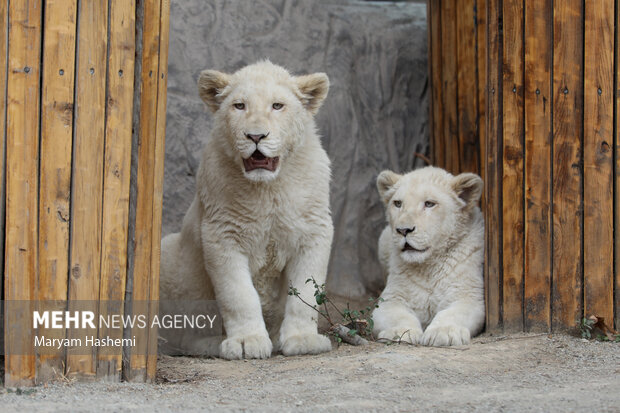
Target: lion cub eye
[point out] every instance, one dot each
(239, 106)
(277, 106)
(429, 204)
(398, 204)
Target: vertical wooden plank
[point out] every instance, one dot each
(4, 28)
(117, 163)
(538, 61)
(481, 82)
(597, 155)
(436, 64)
(481, 88)
(567, 173)
(466, 88)
(22, 152)
(449, 84)
(158, 186)
(617, 177)
(55, 192)
(512, 179)
(147, 130)
(492, 207)
(88, 149)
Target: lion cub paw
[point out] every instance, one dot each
(306, 344)
(250, 347)
(446, 336)
(409, 335)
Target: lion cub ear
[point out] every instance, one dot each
(211, 85)
(385, 184)
(313, 89)
(468, 187)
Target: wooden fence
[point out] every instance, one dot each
(82, 116)
(525, 93)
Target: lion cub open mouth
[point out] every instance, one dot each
(408, 247)
(259, 161)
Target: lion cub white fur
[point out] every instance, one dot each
(432, 251)
(249, 234)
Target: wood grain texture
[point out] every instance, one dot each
(617, 181)
(567, 172)
(88, 149)
(4, 28)
(547, 159)
(481, 83)
(538, 52)
(57, 101)
(148, 83)
(435, 59)
(467, 96)
(158, 185)
(513, 160)
(22, 158)
(70, 68)
(598, 158)
(449, 79)
(116, 175)
(492, 207)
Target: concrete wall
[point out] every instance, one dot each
(375, 116)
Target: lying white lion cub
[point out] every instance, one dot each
(432, 251)
(260, 220)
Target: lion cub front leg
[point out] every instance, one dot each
(239, 304)
(395, 320)
(298, 332)
(455, 325)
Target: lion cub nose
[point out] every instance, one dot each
(255, 138)
(405, 231)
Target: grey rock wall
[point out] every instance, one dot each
(375, 116)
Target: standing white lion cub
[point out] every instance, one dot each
(432, 251)
(260, 220)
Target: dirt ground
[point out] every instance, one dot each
(516, 373)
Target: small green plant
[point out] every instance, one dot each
(353, 326)
(585, 327)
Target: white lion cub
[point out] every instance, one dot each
(260, 220)
(432, 251)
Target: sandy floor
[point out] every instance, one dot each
(533, 373)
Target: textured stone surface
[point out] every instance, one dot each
(375, 116)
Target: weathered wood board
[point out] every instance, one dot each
(70, 87)
(547, 142)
